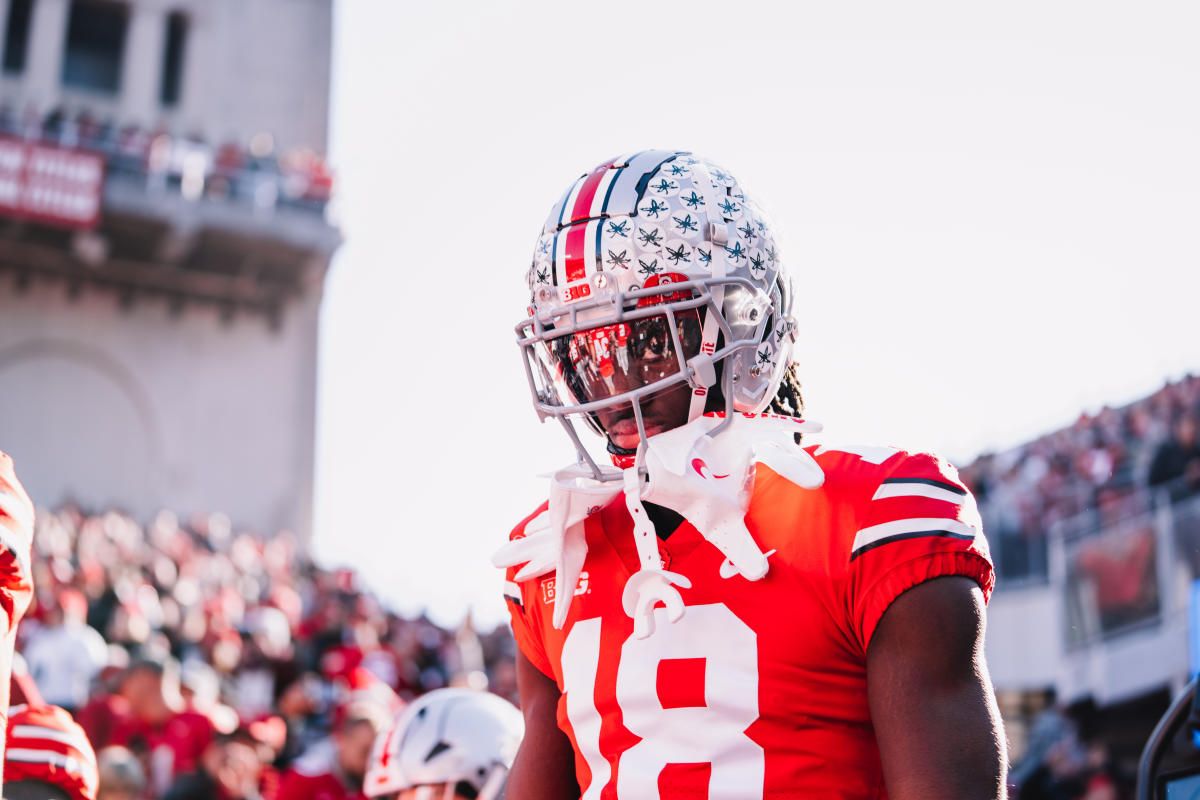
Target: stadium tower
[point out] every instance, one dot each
(163, 248)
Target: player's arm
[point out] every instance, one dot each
(544, 768)
(932, 704)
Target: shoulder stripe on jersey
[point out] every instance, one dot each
(949, 487)
(869, 538)
(73, 739)
(914, 535)
(29, 756)
(513, 592)
(942, 492)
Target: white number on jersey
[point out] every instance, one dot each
(714, 733)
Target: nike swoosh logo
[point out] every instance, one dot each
(728, 570)
(703, 471)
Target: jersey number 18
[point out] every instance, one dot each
(714, 733)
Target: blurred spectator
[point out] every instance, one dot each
(1061, 763)
(64, 653)
(1049, 728)
(1177, 460)
(299, 706)
(169, 738)
(121, 775)
(335, 771)
(105, 710)
(229, 769)
(48, 756)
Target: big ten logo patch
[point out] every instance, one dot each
(549, 589)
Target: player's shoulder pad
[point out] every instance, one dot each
(513, 590)
(867, 466)
(851, 466)
(519, 530)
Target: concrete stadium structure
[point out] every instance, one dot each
(164, 355)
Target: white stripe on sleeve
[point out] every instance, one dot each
(27, 756)
(917, 490)
(932, 526)
(50, 734)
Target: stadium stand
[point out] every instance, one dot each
(1110, 462)
(252, 172)
(1103, 518)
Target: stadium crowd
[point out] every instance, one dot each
(206, 663)
(1100, 464)
(253, 172)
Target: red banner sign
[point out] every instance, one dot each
(54, 185)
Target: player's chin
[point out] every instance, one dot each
(625, 442)
(628, 438)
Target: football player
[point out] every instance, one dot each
(450, 744)
(727, 612)
(16, 578)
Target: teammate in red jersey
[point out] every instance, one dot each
(16, 579)
(728, 614)
(49, 757)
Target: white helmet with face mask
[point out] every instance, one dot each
(447, 744)
(656, 290)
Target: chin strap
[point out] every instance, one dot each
(707, 479)
(651, 585)
(718, 237)
(621, 458)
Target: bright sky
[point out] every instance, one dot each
(990, 213)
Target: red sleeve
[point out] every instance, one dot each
(526, 623)
(16, 542)
(918, 523)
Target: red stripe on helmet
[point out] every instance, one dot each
(576, 235)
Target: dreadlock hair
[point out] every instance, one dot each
(789, 400)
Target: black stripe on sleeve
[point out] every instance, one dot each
(949, 487)
(914, 535)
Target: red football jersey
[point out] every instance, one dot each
(174, 746)
(297, 785)
(760, 690)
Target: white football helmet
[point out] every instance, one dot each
(654, 270)
(460, 738)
